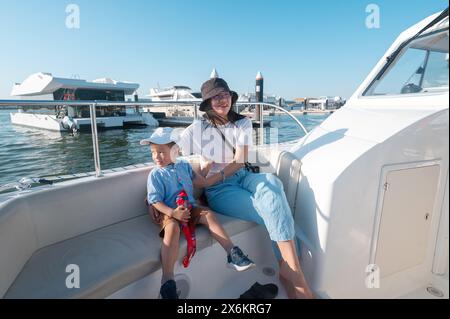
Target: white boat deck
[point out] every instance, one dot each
(208, 277)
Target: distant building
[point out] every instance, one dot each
(272, 99)
(299, 100)
(325, 102)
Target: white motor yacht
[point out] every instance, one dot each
(45, 86)
(175, 94)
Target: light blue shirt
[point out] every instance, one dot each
(165, 183)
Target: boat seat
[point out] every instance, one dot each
(108, 259)
(288, 170)
(113, 241)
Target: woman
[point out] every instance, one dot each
(223, 137)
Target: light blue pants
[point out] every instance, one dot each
(259, 198)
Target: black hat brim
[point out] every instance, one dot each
(204, 105)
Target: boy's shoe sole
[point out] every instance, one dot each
(240, 268)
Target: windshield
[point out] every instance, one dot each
(422, 67)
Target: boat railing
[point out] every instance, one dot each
(279, 108)
(94, 104)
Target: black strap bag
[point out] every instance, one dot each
(248, 166)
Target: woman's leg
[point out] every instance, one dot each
(169, 249)
(291, 274)
(234, 201)
(261, 198)
(268, 192)
(271, 204)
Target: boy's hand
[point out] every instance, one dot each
(182, 214)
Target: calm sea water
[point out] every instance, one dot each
(29, 152)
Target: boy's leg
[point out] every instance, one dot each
(235, 201)
(208, 218)
(235, 257)
(169, 249)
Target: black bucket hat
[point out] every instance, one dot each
(213, 87)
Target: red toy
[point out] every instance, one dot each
(187, 228)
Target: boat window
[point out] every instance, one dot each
(64, 94)
(422, 67)
(99, 95)
(90, 95)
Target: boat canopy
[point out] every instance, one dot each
(45, 83)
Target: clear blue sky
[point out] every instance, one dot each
(302, 48)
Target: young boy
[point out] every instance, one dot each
(164, 184)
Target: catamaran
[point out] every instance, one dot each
(45, 86)
(368, 189)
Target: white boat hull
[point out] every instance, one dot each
(42, 121)
(50, 122)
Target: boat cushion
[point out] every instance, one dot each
(288, 169)
(108, 259)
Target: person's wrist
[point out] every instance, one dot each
(222, 174)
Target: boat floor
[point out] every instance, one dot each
(436, 289)
(208, 277)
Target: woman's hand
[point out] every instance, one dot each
(207, 168)
(206, 165)
(182, 214)
(200, 180)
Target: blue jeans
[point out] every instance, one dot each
(259, 198)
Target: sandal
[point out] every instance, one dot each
(258, 291)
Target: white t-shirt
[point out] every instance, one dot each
(202, 138)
